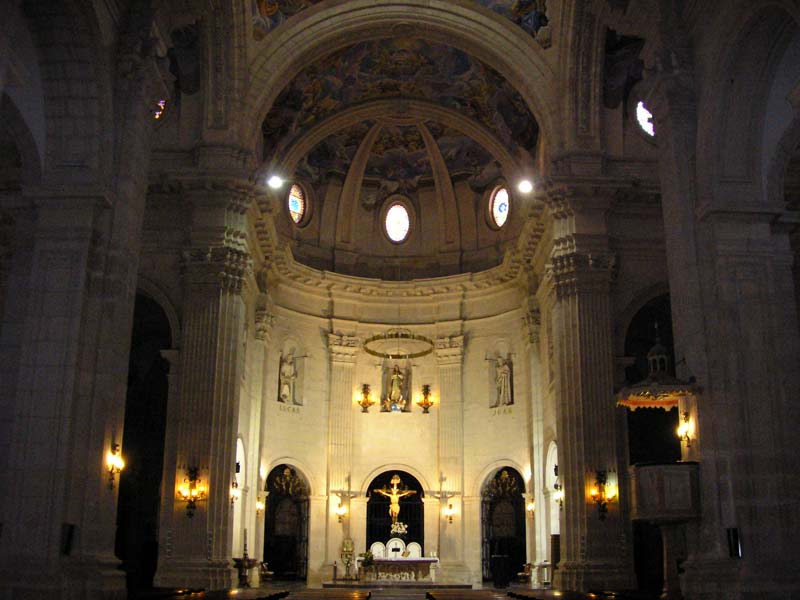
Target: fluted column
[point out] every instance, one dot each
(593, 551)
(343, 351)
(450, 357)
(216, 270)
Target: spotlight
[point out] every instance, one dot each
(525, 186)
(275, 182)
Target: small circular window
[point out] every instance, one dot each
(296, 203)
(397, 223)
(499, 205)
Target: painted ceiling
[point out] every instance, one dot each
(399, 67)
(530, 15)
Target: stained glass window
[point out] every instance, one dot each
(397, 223)
(645, 119)
(297, 203)
(499, 205)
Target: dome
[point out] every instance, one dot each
(400, 122)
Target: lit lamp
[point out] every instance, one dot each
(260, 507)
(191, 491)
(341, 511)
(559, 495)
(685, 430)
(449, 512)
(235, 492)
(365, 401)
(114, 463)
(602, 493)
(426, 402)
(531, 508)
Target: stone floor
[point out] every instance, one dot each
(298, 591)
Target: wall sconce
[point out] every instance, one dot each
(559, 495)
(260, 506)
(341, 511)
(235, 492)
(685, 430)
(192, 490)
(365, 401)
(114, 463)
(530, 508)
(449, 512)
(426, 402)
(602, 493)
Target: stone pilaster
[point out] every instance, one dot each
(343, 351)
(537, 539)
(216, 271)
(593, 551)
(450, 358)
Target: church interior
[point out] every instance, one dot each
(400, 292)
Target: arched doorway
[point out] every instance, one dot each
(503, 524)
(286, 523)
(651, 431)
(412, 512)
(136, 543)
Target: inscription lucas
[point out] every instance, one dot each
(502, 410)
(289, 409)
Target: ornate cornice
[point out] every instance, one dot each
(228, 268)
(577, 272)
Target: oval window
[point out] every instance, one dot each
(397, 223)
(297, 203)
(499, 205)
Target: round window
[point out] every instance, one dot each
(397, 223)
(296, 203)
(499, 205)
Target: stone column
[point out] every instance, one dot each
(216, 271)
(593, 551)
(450, 356)
(537, 539)
(343, 351)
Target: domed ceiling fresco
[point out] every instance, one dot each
(530, 15)
(407, 68)
(398, 119)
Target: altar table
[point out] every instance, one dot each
(404, 569)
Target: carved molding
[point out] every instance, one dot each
(343, 348)
(450, 350)
(228, 268)
(578, 272)
(263, 324)
(533, 324)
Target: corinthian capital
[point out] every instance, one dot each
(343, 348)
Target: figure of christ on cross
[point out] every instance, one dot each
(394, 494)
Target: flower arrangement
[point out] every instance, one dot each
(399, 528)
(367, 560)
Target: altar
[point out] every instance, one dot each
(402, 569)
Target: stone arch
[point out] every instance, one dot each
(77, 99)
(302, 469)
(369, 477)
(491, 470)
(736, 100)
(153, 291)
(18, 130)
(458, 23)
(624, 318)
